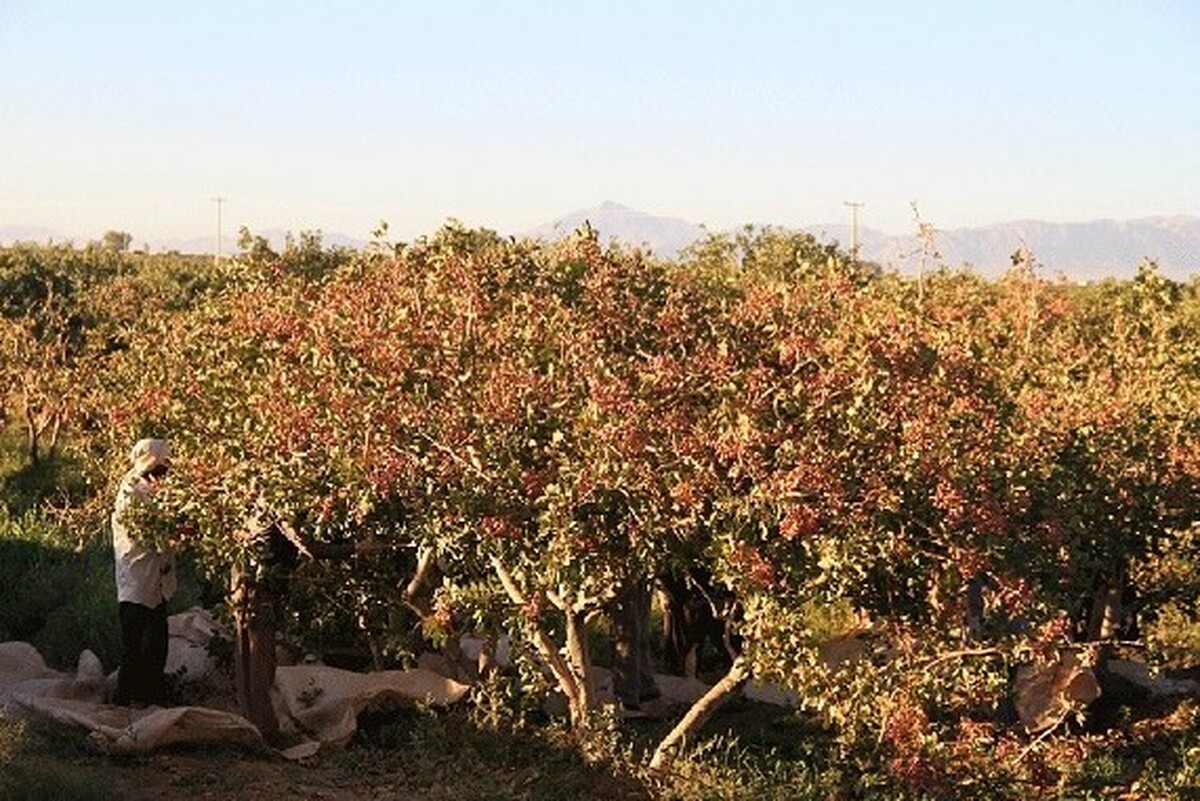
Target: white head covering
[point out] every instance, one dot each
(148, 454)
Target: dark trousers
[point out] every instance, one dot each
(143, 655)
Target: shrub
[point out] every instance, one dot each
(56, 596)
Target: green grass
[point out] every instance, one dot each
(432, 754)
(55, 595)
(35, 766)
(25, 486)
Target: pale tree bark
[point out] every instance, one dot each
(33, 433)
(700, 712)
(418, 596)
(418, 593)
(571, 672)
(55, 430)
(579, 661)
(1107, 613)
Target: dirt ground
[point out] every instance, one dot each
(232, 776)
(419, 757)
(251, 777)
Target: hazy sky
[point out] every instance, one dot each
(336, 115)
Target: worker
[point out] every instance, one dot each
(145, 577)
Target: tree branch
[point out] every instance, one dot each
(506, 579)
(545, 646)
(700, 712)
(963, 654)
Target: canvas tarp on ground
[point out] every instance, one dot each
(317, 706)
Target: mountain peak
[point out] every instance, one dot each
(665, 236)
(611, 206)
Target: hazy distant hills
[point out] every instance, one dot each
(666, 236)
(277, 237)
(26, 233)
(1086, 250)
(1081, 251)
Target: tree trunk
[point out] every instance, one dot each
(580, 663)
(418, 593)
(633, 674)
(1105, 619)
(254, 650)
(1107, 613)
(700, 712)
(55, 430)
(572, 672)
(32, 436)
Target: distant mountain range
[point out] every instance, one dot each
(1079, 251)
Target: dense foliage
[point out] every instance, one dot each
(959, 477)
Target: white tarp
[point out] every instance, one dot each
(315, 704)
(322, 703)
(123, 730)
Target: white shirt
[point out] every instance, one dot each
(144, 576)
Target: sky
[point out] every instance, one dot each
(134, 116)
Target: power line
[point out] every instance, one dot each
(217, 251)
(854, 207)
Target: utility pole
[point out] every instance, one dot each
(217, 252)
(854, 207)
